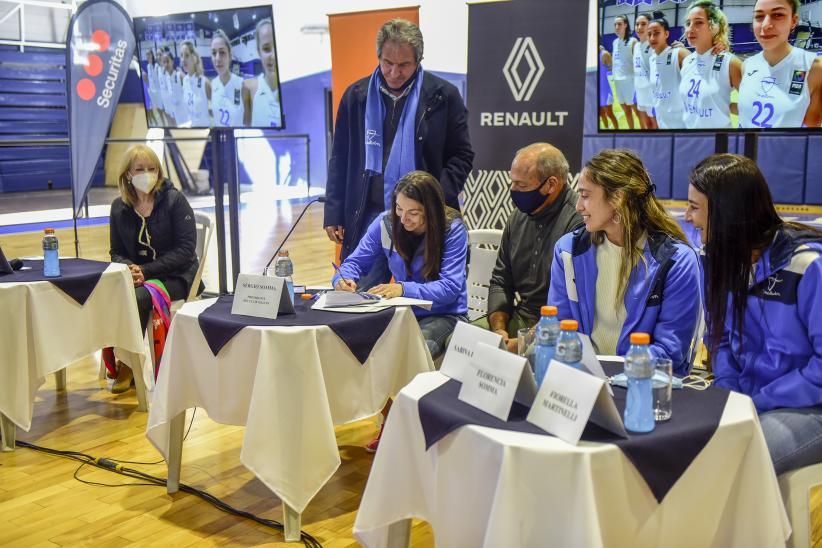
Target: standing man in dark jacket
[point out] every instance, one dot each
(397, 120)
(546, 210)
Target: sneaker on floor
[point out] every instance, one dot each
(123, 381)
(372, 446)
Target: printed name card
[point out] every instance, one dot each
(261, 297)
(591, 362)
(457, 361)
(568, 399)
(496, 378)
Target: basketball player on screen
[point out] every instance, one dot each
(606, 96)
(665, 62)
(623, 67)
(227, 88)
(642, 73)
(782, 85)
(196, 87)
(261, 94)
(707, 78)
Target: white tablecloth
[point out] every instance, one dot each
(43, 330)
(289, 386)
(481, 486)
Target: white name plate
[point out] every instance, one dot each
(457, 360)
(591, 362)
(568, 398)
(261, 297)
(497, 377)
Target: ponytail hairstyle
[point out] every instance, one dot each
(627, 27)
(716, 20)
(628, 188)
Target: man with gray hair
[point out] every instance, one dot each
(398, 119)
(545, 211)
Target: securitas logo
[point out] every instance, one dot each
(524, 50)
(87, 87)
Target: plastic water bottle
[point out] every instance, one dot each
(547, 333)
(569, 345)
(639, 368)
(284, 268)
(51, 262)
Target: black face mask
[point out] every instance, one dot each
(528, 201)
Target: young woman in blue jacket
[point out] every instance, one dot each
(763, 297)
(426, 245)
(629, 268)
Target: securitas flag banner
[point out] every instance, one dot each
(99, 47)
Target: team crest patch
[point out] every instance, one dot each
(236, 96)
(797, 82)
(199, 82)
(718, 62)
(668, 59)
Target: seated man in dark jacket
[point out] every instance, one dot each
(397, 120)
(546, 210)
(152, 230)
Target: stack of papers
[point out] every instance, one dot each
(367, 305)
(349, 298)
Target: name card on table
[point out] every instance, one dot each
(497, 378)
(5, 267)
(568, 399)
(261, 297)
(457, 360)
(591, 362)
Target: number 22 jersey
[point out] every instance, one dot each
(227, 102)
(775, 96)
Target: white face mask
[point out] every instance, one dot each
(144, 181)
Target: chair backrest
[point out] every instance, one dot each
(483, 245)
(796, 486)
(204, 230)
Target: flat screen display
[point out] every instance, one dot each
(210, 69)
(752, 65)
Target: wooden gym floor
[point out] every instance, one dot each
(42, 505)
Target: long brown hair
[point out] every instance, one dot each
(742, 220)
(629, 190)
(424, 188)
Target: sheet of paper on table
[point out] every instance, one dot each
(376, 306)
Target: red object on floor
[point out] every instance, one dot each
(372, 446)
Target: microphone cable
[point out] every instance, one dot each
(116, 466)
(320, 199)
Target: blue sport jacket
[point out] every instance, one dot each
(448, 293)
(664, 301)
(777, 360)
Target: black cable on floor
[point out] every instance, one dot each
(148, 480)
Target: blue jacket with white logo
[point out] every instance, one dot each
(448, 293)
(778, 358)
(664, 301)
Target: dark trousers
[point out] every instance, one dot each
(176, 290)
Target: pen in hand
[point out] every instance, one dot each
(348, 283)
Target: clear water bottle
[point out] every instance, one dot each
(547, 333)
(639, 368)
(569, 345)
(51, 257)
(284, 268)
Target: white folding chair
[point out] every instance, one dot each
(796, 488)
(483, 245)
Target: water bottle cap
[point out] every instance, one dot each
(283, 253)
(548, 311)
(568, 325)
(49, 231)
(640, 338)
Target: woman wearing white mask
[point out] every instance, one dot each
(152, 231)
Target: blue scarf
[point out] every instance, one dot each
(401, 159)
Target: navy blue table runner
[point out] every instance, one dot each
(359, 332)
(78, 277)
(660, 457)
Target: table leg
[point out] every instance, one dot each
(399, 534)
(175, 452)
(291, 521)
(60, 380)
(9, 432)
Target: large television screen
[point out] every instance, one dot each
(751, 65)
(210, 69)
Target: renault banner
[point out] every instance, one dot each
(99, 47)
(526, 83)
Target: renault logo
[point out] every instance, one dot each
(523, 50)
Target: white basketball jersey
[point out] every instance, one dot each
(166, 92)
(642, 67)
(775, 96)
(194, 93)
(151, 73)
(227, 102)
(665, 79)
(623, 67)
(705, 89)
(265, 109)
(181, 115)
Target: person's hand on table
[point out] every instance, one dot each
(510, 342)
(345, 285)
(335, 233)
(137, 275)
(387, 291)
